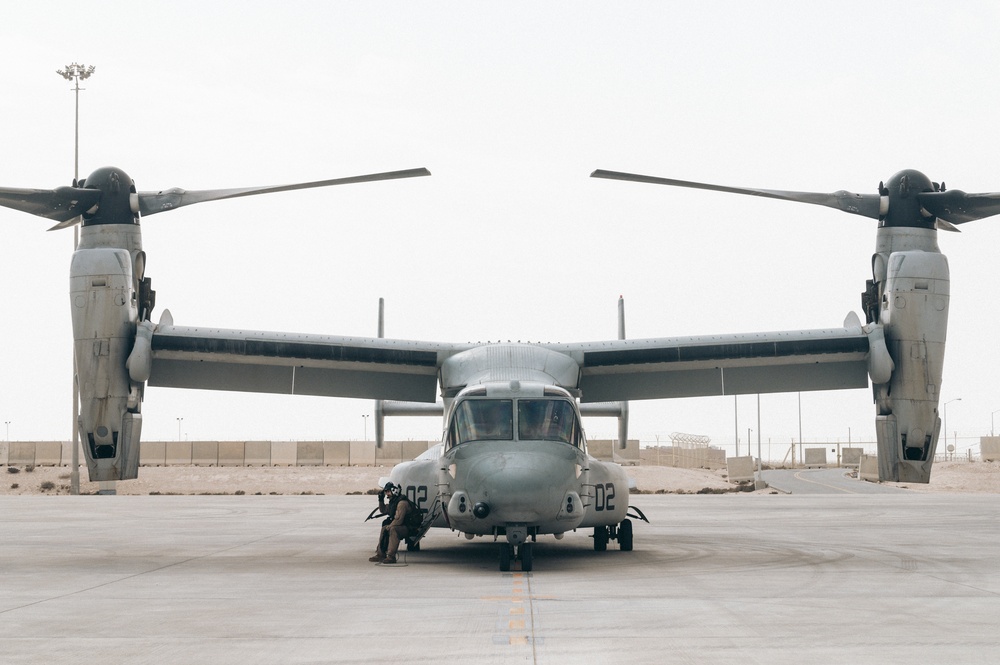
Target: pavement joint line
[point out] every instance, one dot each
(513, 630)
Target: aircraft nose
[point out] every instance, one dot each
(518, 487)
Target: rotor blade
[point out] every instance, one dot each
(67, 224)
(866, 205)
(60, 204)
(153, 202)
(957, 207)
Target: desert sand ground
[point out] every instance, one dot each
(977, 477)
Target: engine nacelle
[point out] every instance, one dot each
(104, 313)
(914, 315)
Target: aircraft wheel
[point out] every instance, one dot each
(505, 557)
(526, 552)
(600, 538)
(412, 547)
(625, 535)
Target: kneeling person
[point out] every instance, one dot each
(394, 528)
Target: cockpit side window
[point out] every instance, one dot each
(547, 420)
(482, 420)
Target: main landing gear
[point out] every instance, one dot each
(525, 552)
(622, 533)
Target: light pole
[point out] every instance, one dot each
(800, 434)
(76, 73)
(365, 416)
(7, 423)
(945, 424)
(991, 421)
(179, 421)
(736, 424)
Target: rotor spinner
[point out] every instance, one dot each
(904, 206)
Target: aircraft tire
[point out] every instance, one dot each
(625, 535)
(526, 551)
(412, 547)
(505, 557)
(600, 538)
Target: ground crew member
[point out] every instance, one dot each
(394, 529)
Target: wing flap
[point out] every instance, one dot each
(295, 364)
(723, 365)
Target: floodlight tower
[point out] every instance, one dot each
(76, 73)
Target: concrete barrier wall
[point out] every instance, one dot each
(48, 453)
(67, 453)
(701, 457)
(414, 449)
(851, 456)
(152, 453)
(607, 450)
(739, 469)
(249, 453)
(337, 453)
(284, 453)
(989, 447)
(205, 453)
(815, 457)
(21, 453)
(362, 453)
(391, 453)
(176, 453)
(309, 453)
(232, 453)
(868, 468)
(257, 453)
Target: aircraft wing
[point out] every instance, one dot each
(295, 364)
(737, 364)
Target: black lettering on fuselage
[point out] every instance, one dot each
(417, 494)
(604, 496)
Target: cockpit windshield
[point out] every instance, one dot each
(482, 420)
(493, 420)
(547, 420)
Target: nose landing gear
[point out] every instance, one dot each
(524, 552)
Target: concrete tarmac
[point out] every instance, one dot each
(769, 579)
(823, 481)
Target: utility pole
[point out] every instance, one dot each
(76, 73)
(945, 423)
(801, 452)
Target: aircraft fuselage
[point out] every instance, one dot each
(513, 463)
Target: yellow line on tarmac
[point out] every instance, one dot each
(798, 474)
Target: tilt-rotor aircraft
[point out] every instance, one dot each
(513, 461)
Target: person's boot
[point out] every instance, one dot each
(378, 558)
(389, 559)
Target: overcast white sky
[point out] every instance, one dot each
(511, 106)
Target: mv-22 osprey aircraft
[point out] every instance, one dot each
(512, 462)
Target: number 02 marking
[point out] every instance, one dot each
(604, 496)
(417, 494)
